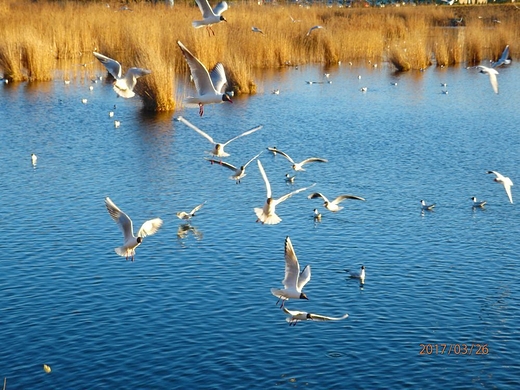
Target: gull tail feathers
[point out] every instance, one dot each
(272, 219)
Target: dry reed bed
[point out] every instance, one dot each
(40, 38)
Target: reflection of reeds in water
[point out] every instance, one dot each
(40, 37)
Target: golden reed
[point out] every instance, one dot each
(47, 40)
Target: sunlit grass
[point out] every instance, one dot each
(49, 40)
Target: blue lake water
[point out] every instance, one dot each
(195, 310)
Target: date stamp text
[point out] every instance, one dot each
(454, 349)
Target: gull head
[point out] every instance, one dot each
(222, 19)
(303, 296)
(226, 98)
(139, 240)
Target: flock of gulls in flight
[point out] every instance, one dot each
(210, 87)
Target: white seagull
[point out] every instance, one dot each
(256, 29)
(123, 85)
(317, 216)
(492, 73)
(267, 214)
(476, 203)
(187, 216)
(218, 149)
(34, 159)
(294, 316)
(427, 207)
(210, 16)
(312, 29)
(238, 173)
(505, 181)
(210, 86)
(299, 166)
(504, 58)
(125, 223)
(333, 205)
(358, 274)
(294, 281)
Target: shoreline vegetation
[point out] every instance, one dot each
(49, 40)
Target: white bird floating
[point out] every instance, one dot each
(125, 223)
(240, 172)
(123, 85)
(299, 166)
(505, 181)
(294, 316)
(492, 73)
(504, 58)
(267, 215)
(294, 281)
(316, 216)
(334, 204)
(476, 203)
(210, 16)
(34, 159)
(358, 274)
(427, 207)
(218, 149)
(187, 216)
(210, 86)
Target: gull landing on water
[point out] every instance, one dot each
(125, 223)
(299, 166)
(210, 16)
(187, 216)
(218, 149)
(294, 316)
(505, 181)
(239, 173)
(333, 205)
(123, 85)
(294, 281)
(210, 86)
(267, 214)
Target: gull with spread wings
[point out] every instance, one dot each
(238, 173)
(218, 148)
(267, 215)
(187, 216)
(294, 316)
(298, 166)
(210, 16)
(506, 182)
(334, 204)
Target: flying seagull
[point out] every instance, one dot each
(187, 216)
(210, 86)
(299, 166)
(123, 85)
(294, 316)
(312, 29)
(294, 281)
(333, 205)
(267, 215)
(492, 73)
(125, 223)
(504, 58)
(505, 181)
(218, 148)
(257, 30)
(238, 173)
(210, 16)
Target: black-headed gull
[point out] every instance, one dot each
(210, 85)
(427, 207)
(312, 29)
(267, 215)
(187, 216)
(294, 281)
(317, 215)
(240, 172)
(358, 274)
(290, 179)
(34, 159)
(334, 204)
(218, 148)
(294, 316)
(476, 203)
(299, 166)
(210, 16)
(505, 181)
(125, 223)
(123, 85)
(504, 58)
(492, 73)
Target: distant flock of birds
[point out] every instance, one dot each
(210, 88)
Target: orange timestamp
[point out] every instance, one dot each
(454, 349)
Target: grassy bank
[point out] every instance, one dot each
(48, 40)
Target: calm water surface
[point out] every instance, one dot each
(195, 310)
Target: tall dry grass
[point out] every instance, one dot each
(48, 40)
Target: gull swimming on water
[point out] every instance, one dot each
(299, 166)
(210, 86)
(492, 73)
(317, 215)
(123, 85)
(34, 159)
(294, 316)
(358, 274)
(505, 181)
(210, 16)
(218, 149)
(294, 281)
(187, 216)
(504, 58)
(333, 205)
(476, 203)
(239, 173)
(125, 223)
(427, 207)
(267, 214)
(290, 179)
